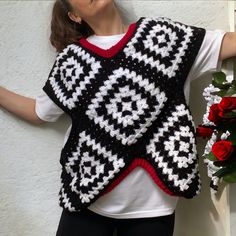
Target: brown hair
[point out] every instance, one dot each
(64, 31)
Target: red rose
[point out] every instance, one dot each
(215, 114)
(227, 103)
(222, 149)
(203, 131)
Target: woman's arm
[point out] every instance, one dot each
(228, 46)
(21, 106)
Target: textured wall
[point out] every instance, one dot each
(29, 170)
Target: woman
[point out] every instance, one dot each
(87, 32)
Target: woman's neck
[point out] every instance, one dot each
(109, 23)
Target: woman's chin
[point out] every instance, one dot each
(100, 8)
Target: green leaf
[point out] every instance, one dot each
(231, 91)
(220, 93)
(232, 137)
(230, 114)
(218, 77)
(225, 86)
(211, 157)
(230, 126)
(223, 171)
(221, 163)
(231, 177)
(233, 83)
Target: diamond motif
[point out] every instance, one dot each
(69, 75)
(161, 40)
(93, 175)
(133, 105)
(179, 147)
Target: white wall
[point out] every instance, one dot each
(30, 169)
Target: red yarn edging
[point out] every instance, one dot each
(115, 48)
(148, 167)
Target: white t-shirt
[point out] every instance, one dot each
(146, 199)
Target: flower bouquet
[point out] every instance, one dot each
(219, 127)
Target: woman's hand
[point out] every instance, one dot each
(21, 106)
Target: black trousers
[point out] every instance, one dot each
(89, 223)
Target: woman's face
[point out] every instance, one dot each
(87, 9)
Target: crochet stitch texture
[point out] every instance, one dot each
(128, 109)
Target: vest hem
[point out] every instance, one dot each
(147, 166)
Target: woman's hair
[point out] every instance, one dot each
(64, 31)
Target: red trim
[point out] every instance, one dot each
(112, 50)
(148, 167)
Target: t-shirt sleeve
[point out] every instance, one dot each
(46, 109)
(207, 59)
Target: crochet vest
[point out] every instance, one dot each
(128, 109)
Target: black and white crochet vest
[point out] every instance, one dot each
(128, 109)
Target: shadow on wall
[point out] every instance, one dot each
(200, 216)
(232, 194)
